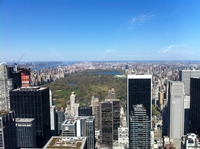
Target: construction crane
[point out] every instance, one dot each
(15, 64)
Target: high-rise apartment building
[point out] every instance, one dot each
(33, 102)
(139, 128)
(195, 106)
(185, 75)
(7, 130)
(26, 132)
(139, 92)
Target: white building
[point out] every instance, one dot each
(123, 137)
(73, 105)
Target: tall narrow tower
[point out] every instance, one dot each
(139, 92)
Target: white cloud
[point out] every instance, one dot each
(139, 20)
(172, 48)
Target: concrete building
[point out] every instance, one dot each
(123, 137)
(96, 112)
(174, 119)
(195, 106)
(73, 105)
(111, 94)
(69, 127)
(33, 102)
(139, 91)
(26, 132)
(6, 85)
(66, 143)
(80, 126)
(7, 130)
(139, 128)
(185, 75)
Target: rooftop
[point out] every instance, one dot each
(3, 112)
(24, 120)
(65, 142)
(30, 88)
(73, 119)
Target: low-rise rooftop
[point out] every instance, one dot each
(66, 142)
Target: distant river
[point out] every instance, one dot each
(51, 65)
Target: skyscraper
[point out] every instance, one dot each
(185, 75)
(6, 85)
(7, 130)
(195, 105)
(33, 102)
(110, 121)
(140, 128)
(26, 132)
(139, 92)
(96, 111)
(174, 120)
(73, 105)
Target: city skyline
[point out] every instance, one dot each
(99, 30)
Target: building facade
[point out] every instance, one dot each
(173, 119)
(60, 119)
(85, 111)
(6, 85)
(33, 102)
(139, 128)
(185, 75)
(80, 126)
(26, 132)
(110, 121)
(139, 91)
(195, 106)
(123, 137)
(7, 130)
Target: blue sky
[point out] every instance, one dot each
(75, 30)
